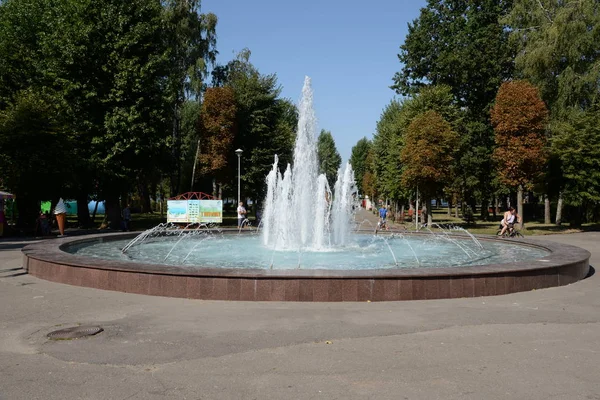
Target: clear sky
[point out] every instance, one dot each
(348, 48)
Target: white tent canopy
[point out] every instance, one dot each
(5, 195)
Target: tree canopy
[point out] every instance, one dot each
(519, 117)
(358, 160)
(328, 156)
(428, 154)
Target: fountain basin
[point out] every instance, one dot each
(561, 265)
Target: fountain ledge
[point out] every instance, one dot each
(46, 260)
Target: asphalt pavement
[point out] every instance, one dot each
(542, 344)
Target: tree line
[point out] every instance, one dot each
(109, 99)
(500, 100)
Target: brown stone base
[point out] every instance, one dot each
(565, 264)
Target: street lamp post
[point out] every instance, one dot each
(239, 154)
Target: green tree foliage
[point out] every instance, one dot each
(328, 156)
(190, 37)
(36, 152)
(387, 143)
(388, 140)
(459, 43)
(368, 180)
(428, 154)
(358, 160)
(557, 44)
(462, 44)
(576, 141)
(105, 66)
(266, 123)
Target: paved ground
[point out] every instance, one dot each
(536, 345)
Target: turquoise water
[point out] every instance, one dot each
(365, 252)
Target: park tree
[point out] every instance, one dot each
(104, 65)
(519, 117)
(557, 50)
(328, 157)
(461, 44)
(576, 142)
(266, 123)
(556, 44)
(358, 161)
(217, 129)
(368, 179)
(428, 155)
(388, 140)
(190, 37)
(35, 159)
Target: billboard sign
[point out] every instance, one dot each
(195, 211)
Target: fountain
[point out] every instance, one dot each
(309, 249)
(300, 204)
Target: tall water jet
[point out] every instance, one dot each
(343, 203)
(298, 206)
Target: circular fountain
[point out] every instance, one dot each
(309, 249)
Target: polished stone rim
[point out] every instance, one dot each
(52, 251)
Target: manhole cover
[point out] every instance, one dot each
(75, 332)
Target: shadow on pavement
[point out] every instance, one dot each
(591, 272)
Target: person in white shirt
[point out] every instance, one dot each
(241, 211)
(510, 217)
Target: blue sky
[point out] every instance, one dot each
(348, 48)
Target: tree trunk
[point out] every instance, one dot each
(95, 211)
(429, 213)
(83, 214)
(496, 208)
(575, 217)
(176, 153)
(520, 205)
(485, 214)
(194, 168)
(113, 212)
(220, 197)
(214, 189)
(456, 209)
(547, 217)
(559, 209)
(28, 211)
(145, 197)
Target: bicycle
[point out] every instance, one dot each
(510, 232)
(245, 224)
(382, 225)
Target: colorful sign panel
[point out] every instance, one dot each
(195, 211)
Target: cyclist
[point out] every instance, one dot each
(509, 219)
(241, 214)
(382, 224)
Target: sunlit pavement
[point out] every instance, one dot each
(535, 345)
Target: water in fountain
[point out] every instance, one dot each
(311, 225)
(299, 204)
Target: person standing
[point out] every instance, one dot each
(241, 213)
(383, 217)
(126, 218)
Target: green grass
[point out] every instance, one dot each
(479, 227)
(142, 222)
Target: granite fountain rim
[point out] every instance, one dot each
(52, 251)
